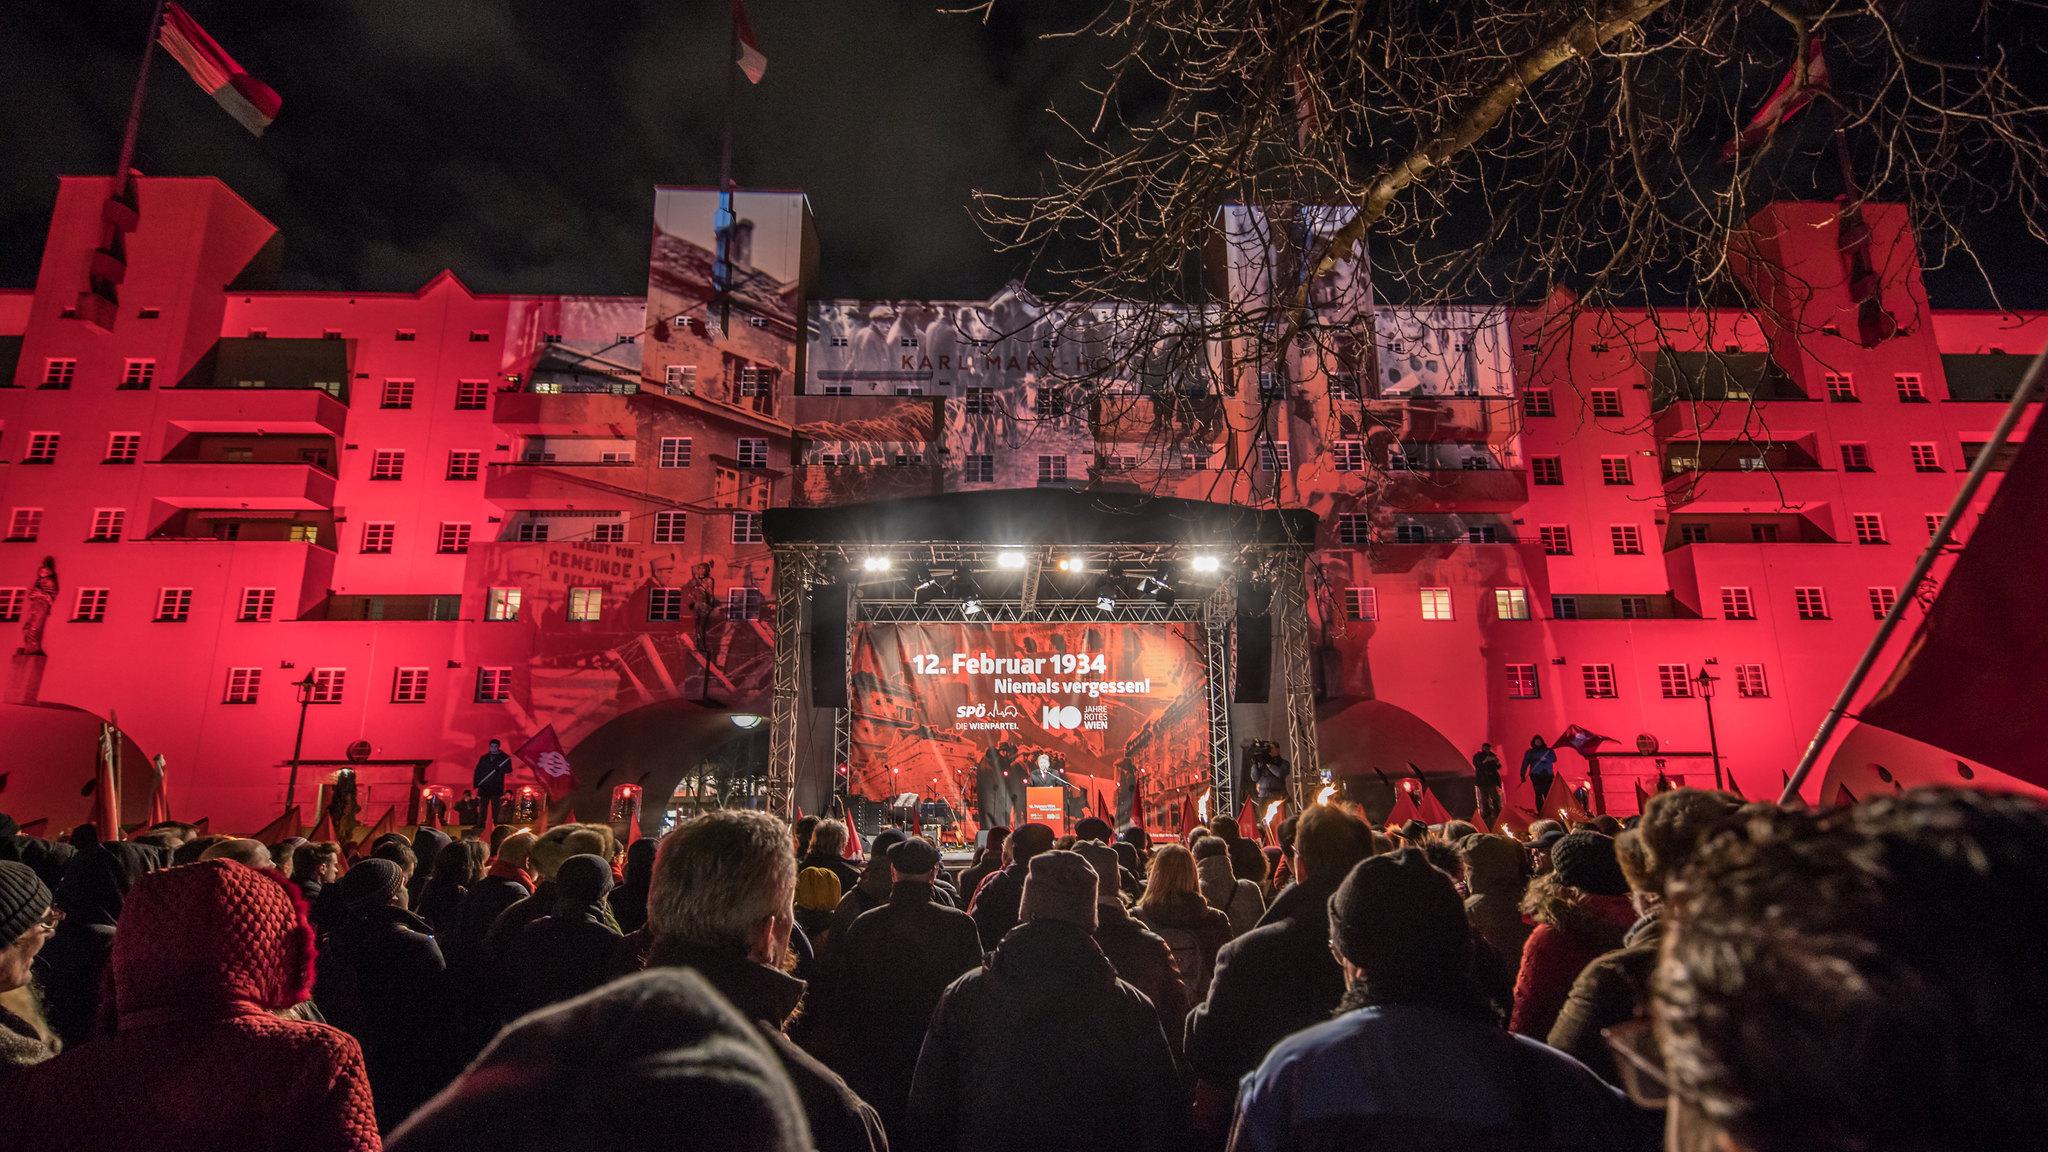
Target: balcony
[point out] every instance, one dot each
(1731, 476)
(267, 411)
(566, 414)
(563, 486)
(825, 485)
(260, 365)
(1983, 378)
(1718, 378)
(209, 484)
(1457, 490)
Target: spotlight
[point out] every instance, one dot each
(1105, 603)
(971, 606)
(1206, 563)
(876, 563)
(1155, 586)
(1073, 564)
(1010, 559)
(745, 721)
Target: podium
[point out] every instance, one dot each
(1047, 806)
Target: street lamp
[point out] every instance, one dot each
(1704, 685)
(291, 784)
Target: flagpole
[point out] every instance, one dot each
(1979, 469)
(721, 268)
(134, 126)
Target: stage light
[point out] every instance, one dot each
(1073, 564)
(1011, 559)
(745, 721)
(875, 563)
(1105, 603)
(1206, 563)
(971, 606)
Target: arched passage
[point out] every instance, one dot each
(1369, 744)
(653, 746)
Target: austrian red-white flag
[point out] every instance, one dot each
(543, 750)
(753, 63)
(246, 98)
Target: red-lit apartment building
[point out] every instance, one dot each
(463, 516)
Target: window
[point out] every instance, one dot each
(837, 389)
(42, 448)
(670, 527)
(123, 447)
(1194, 461)
(1511, 603)
(173, 605)
(303, 533)
(1673, 683)
(746, 528)
(1361, 603)
(92, 606)
(1856, 457)
(397, 394)
(531, 531)
(1556, 539)
(106, 525)
(387, 464)
(1349, 455)
(1635, 607)
(1398, 461)
(1436, 603)
(1483, 534)
(257, 604)
(1547, 470)
(1881, 601)
(612, 532)
(137, 374)
(472, 395)
(1050, 401)
(1763, 533)
(454, 538)
(1599, 681)
(664, 604)
(378, 537)
(59, 372)
(25, 524)
(1869, 527)
(1052, 469)
(1926, 457)
(676, 451)
(1750, 683)
(243, 684)
(1841, 387)
(1564, 607)
(753, 452)
(1274, 456)
(679, 377)
(493, 685)
(465, 464)
(1615, 470)
(980, 469)
(586, 604)
(1606, 402)
(1812, 603)
(1343, 385)
(11, 601)
(1692, 533)
(1113, 462)
(1737, 605)
(1522, 682)
(1627, 539)
(980, 402)
(1933, 520)
(1910, 389)
(743, 603)
(1353, 528)
(409, 686)
(502, 604)
(1536, 402)
(1409, 532)
(479, 336)
(328, 685)
(754, 380)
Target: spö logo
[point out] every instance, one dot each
(1057, 717)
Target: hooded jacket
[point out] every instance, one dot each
(198, 1059)
(382, 979)
(1494, 874)
(1613, 989)
(1185, 919)
(72, 966)
(1044, 1048)
(1557, 952)
(1240, 900)
(563, 954)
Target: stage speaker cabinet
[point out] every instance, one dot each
(1253, 681)
(830, 604)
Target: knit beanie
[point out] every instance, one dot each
(1059, 886)
(1398, 918)
(1103, 858)
(1586, 861)
(23, 900)
(580, 883)
(817, 889)
(371, 882)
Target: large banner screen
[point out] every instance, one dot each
(1111, 714)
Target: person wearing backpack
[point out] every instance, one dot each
(1238, 899)
(1173, 908)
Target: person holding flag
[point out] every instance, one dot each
(488, 781)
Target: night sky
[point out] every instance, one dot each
(518, 141)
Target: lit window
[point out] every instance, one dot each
(454, 539)
(1737, 605)
(1436, 603)
(1511, 603)
(1812, 603)
(257, 605)
(670, 527)
(25, 524)
(1348, 455)
(138, 374)
(753, 452)
(173, 605)
(1556, 539)
(1869, 527)
(42, 448)
(664, 604)
(1856, 458)
(1522, 682)
(243, 684)
(397, 394)
(1749, 681)
(493, 685)
(106, 525)
(387, 464)
(586, 604)
(92, 606)
(1615, 470)
(1910, 389)
(979, 469)
(123, 447)
(328, 685)
(1536, 402)
(1547, 470)
(379, 537)
(1841, 386)
(1354, 528)
(1926, 457)
(502, 604)
(465, 464)
(1052, 469)
(1673, 682)
(743, 603)
(746, 528)
(1599, 681)
(472, 395)
(1627, 539)
(1881, 601)
(676, 451)
(59, 372)
(303, 533)
(409, 686)
(1361, 603)
(1606, 402)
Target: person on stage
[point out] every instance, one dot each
(1539, 768)
(1016, 781)
(492, 770)
(1486, 782)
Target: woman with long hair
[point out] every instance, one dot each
(1173, 907)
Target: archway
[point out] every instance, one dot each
(653, 746)
(1370, 745)
(62, 759)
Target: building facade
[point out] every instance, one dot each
(414, 522)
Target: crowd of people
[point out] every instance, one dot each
(1710, 975)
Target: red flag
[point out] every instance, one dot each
(752, 63)
(540, 817)
(1579, 739)
(633, 827)
(1405, 807)
(1793, 93)
(249, 100)
(1188, 816)
(1973, 680)
(278, 829)
(106, 791)
(386, 823)
(1642, 797)
(323, 831)
(1248, 819)
(490, 820)
(1102, 811)
(543, 750)
(1433, 810)
(160, 794)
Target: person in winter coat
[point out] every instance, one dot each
(457, 867)
(27, 921)
(877, 880)
(505, 882)
(1539, 769)
(1278, 978)
(1486, 769)
(629, 900)
(1239, 900)
(1615, 988)
(654, 1062)
(994, 907)
(1417, 1059)
(382, 981)
(1140, 956)
(73, 965)
(426, 848)
(723, 905)
(315, 868)
(563, 954)
(554, 846)
(199, 1058)
(1173, 907)
(817, 898)
(828, 850)
(1496, 875)
(1044, 1047)
(986, 863)
(887, 974)
(1581, 909)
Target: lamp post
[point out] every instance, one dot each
(1704, 684)
(291, 783)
